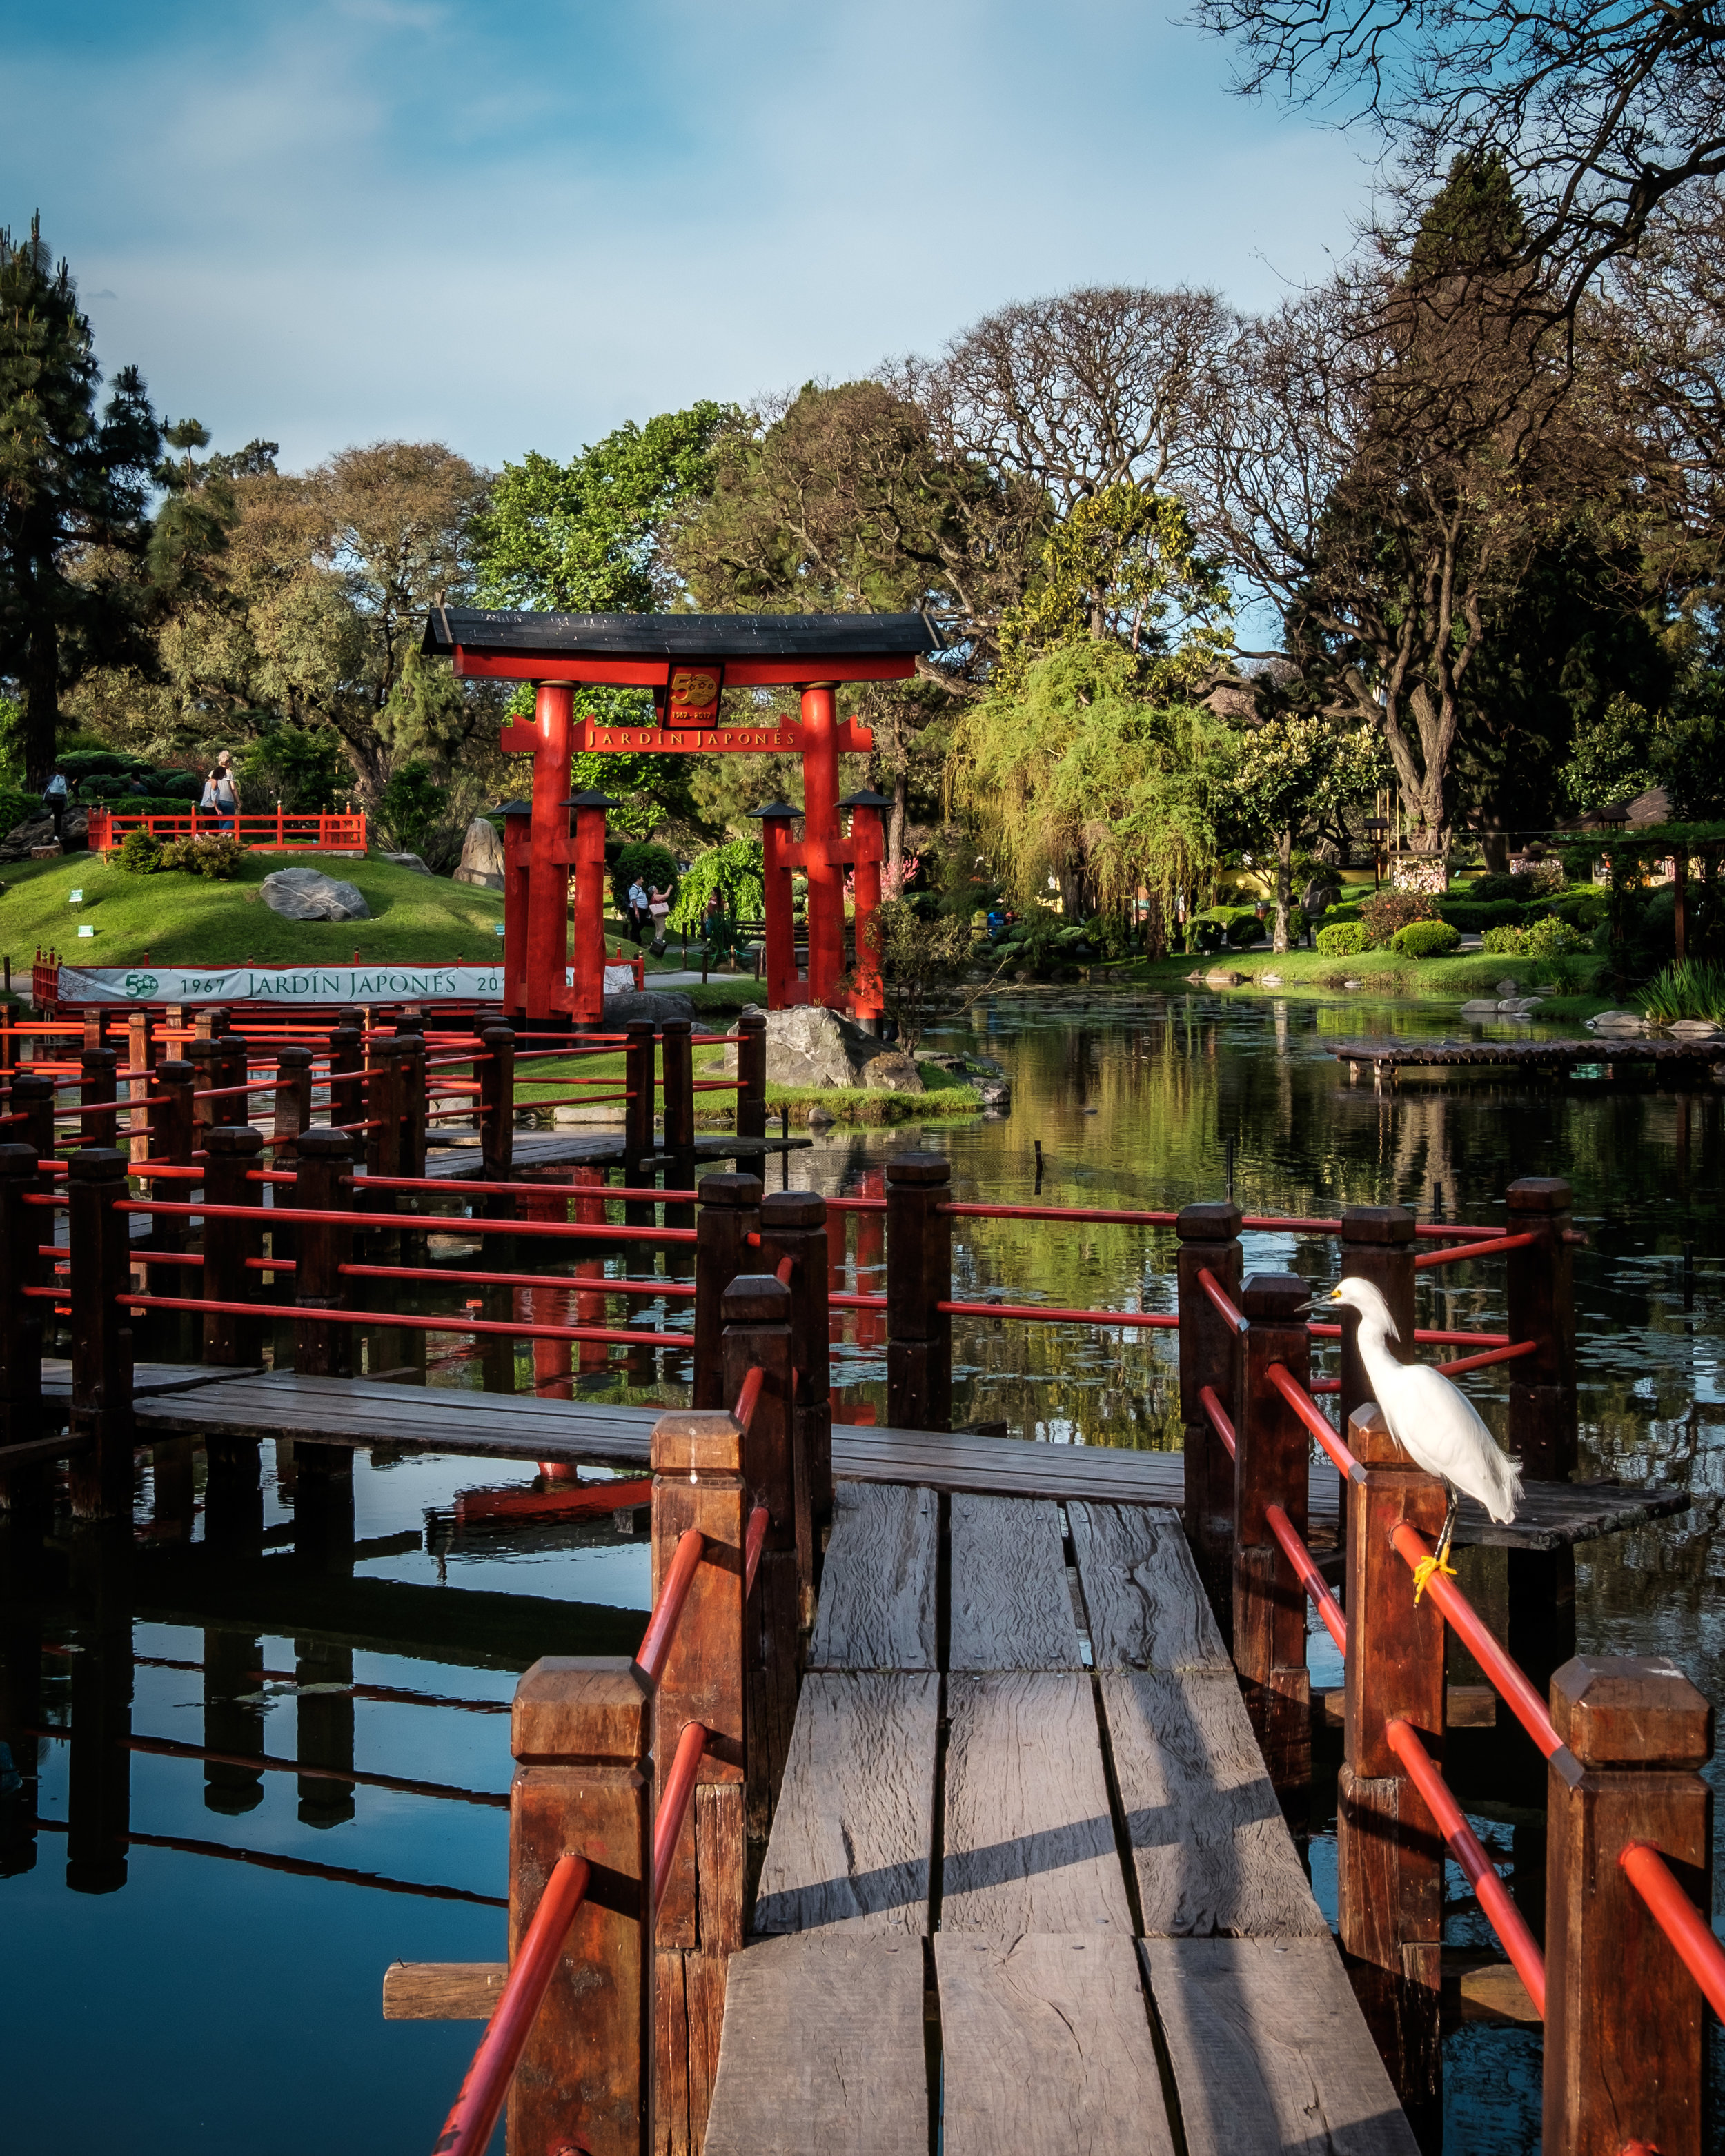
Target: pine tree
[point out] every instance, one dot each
(73, 491)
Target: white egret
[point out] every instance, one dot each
(1434, 1422)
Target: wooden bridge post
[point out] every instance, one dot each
(1390, 1855)
(205, 1067)
(496, 1103)
(140, 1055)
(919, 1279)
(382, 1075)
(1543, 1431)
(231, 1068)
(757, 1335)
(22, 1229)
(579, 1731)
(324, 1161)
(639, 1055)
(1210, 1241)
(407, 1052)
(234, 1149)
(347, 1051)
(1377, 1245)
(1542, 1428)
(1626, 2031)
(679, 1066)
(32, 1098)
(793, 1225)
(1270, 1468)
(100, 1088)
(293, 1100)
(729, 1212)
(100, 1256)
(698, 1482)
(752, 1072)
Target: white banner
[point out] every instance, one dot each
(296, 984)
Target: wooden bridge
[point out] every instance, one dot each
(943, 1801)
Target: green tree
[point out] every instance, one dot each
(1619, 754)
(72, 485)
(1294, 772)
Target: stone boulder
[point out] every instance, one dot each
(482, 855)
(410, 861)
(892, 1072)
(1624, 1024)
(813, 1046)
(1480, 1007)
(659, 1005)
(309, 895)
(1694, 1029)
(21, 842)
(1220, 976)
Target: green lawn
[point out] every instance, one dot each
(943, 1094)
(1585, 978)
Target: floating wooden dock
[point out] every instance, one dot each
(1667, 1062)
(1024, 1837)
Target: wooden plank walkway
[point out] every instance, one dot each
(1025, 1842)
(452, 1153)
(363, 1411)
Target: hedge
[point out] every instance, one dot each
(1426, 939)
(1344, 939)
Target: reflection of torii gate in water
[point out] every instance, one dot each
(686, 660)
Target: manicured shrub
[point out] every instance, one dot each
(216, 857)
(140, 853)
(1549, 937)
(1426, 939)
(1386, 912)
(1344, 939)
(1504, 943)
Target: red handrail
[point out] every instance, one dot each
(748, 1397)
(1219, 1421)
(1491, 1249)
(753, 1542)
(1319, 1423)
(429, 1223)
(673, 1594)
(1508, 1354)
(1677, 1916)
(1219, 1296)
(1506, 1919)
(1311, 1578)
(1522, 1701)
(468, 2129)
(519, 1328)
(674, 1805)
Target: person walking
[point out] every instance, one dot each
(638, 910)
(220, 798)
(659, 906)
(54, 797)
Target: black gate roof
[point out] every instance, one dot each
(673, 636)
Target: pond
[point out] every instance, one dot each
(195, 1944)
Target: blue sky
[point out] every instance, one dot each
(513, 228)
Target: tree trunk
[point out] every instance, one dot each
(41, 701)
(1496, 845)
(1284, 887)
(893, 876)
(1072, 894)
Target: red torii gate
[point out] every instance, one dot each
(687, 661)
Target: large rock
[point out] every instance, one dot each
(813, 1046)
(411, 862)
(1480, 1007)
(309, 895)
(892, 1073)
(21, 842)
(482, 855)
(1694, 1029)
(657, 1003)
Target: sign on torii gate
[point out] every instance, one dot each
(687, 661)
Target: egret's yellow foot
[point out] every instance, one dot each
(1425, 1567)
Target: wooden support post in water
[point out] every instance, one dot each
(1389, 1856)
(757, 1335)
(100, 1088)
(293, 1101)
(752, 1071)
(101, 1333)
(1377, 1245)
(1625, 2021)
(579, 1732)
(1210, 1355)
(698, 1482)
(496, 1103)
(1543, 1426)
(1270, 1468)
(729, 1212)
(919, 1279)
(794, 1225)
(679, 1073)
(321, 1349)
(22, 1229)
(234, 1149)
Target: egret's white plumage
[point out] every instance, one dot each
(1432, 1421)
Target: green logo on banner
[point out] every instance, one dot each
(141, 984)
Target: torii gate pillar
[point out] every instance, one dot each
(820, 834)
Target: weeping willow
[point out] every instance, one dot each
(1077, 776)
